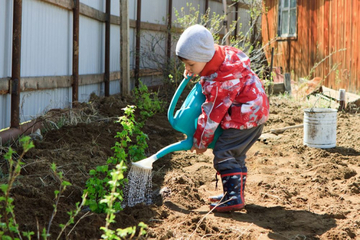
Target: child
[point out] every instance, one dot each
(235, 100)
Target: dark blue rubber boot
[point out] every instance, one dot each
(234, 185)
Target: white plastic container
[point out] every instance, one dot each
(320, 127)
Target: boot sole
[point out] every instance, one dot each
(214, 200)
(237, 207)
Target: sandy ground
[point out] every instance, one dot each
(293, 191)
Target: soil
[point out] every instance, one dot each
(293, 191)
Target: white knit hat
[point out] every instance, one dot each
(196, 43)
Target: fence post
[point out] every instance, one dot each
(107, 49)
(287, 83)
(341, 99)
(16, 62)
(124, 46)
(137, 51)
(75, 60)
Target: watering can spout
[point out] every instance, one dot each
(179, 146)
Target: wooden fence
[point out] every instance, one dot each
(326, 45)
(16, 87)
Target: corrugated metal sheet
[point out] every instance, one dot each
(132, 46)
(5, 102)
(132, 9)
(115, 7)
(34, 104)
(6, 16)
(91, 46)
(86, 90)
(115, 87)
(154, 11)
(46, 40)
(324, 28)
(153, 49)
(244, 20)
(114, 48)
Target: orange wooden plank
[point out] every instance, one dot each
(326, 17)
(355, 47)
(301, 69)
(348, 36)
(342, 45)
(332, 40)
(308, 35)
(320, 37)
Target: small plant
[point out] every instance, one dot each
(98, 185)
(104, 188)
(72, 214)
(9, 229)
(8, 226)
(147, 102)
(128, 233)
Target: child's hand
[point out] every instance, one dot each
(187, 73)
(198, 150)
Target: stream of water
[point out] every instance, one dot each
(139, 187)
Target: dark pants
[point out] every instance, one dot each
(231, 147)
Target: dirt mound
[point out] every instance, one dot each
(292, 192)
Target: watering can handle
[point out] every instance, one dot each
(174, 100)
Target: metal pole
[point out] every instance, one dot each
(137, 54)
(107, 49)
(16, 63)
(75, 62)
(206, 5)
(168, 50)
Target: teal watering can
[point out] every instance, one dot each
(184, 121)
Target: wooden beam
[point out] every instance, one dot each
(41, 83)
(67, 4)
(4, 85)
(334, 94)
(53, 82)
(125, 48)
(107, 49)
(92, 12)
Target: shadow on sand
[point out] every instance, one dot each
(284, 223)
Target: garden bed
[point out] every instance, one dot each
(292, 192)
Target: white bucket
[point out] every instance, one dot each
(320, 127)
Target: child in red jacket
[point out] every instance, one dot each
(235, 100)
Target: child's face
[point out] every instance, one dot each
(193, 68)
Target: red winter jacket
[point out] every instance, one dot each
(235, 96)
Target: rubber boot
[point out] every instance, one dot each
(234, 185)
(216, 198)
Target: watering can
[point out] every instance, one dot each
(184, 121)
